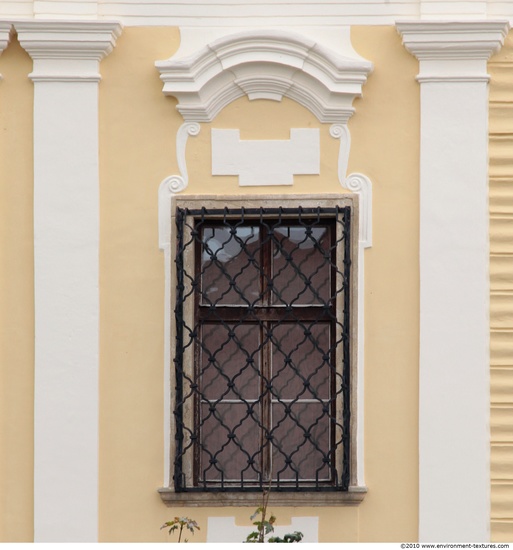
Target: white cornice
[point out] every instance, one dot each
(44, 39)
(238, 14)
(453, 51)
(266, 64)
(57, 46)
(453, 39)
(5, 34)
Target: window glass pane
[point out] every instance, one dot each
(230, 361)
(230, 272)
(301, 442)
(301, 360)
(230, 442)
(301, 265)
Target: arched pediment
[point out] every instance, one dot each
(267, 64)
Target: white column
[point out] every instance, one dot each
(66, 58)
(454, 440)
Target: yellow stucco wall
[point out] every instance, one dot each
(16, 297)
(385, 133)
(500, 68)
(137, 138)
(137, 130)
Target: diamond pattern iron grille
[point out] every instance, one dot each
(262, 349)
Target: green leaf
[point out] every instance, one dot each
(268, 527)
(296, 536)
(257, 511)
(252, 537)
(181, 522)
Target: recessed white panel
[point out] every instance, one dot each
(265, 162)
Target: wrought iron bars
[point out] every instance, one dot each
(262, 349)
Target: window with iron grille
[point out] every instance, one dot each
(263, 348)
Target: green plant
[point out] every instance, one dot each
(180, 523)
(265, 526)
(296, 536)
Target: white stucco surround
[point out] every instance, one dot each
(66, 253)
(454, 438)
(265, 64)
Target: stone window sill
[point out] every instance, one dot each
(352, 497)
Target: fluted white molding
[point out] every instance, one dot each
(454, 288)
(266, 64)
(66, 57)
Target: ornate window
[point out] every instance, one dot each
(264, 346)
(325, 81)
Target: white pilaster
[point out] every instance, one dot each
(66, 58)
(454, 469)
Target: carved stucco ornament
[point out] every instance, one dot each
(264, 64)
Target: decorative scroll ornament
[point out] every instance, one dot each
(361, 184)
(358, 183)
(176, 183)
(341, 132)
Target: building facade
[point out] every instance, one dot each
(263, 121)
